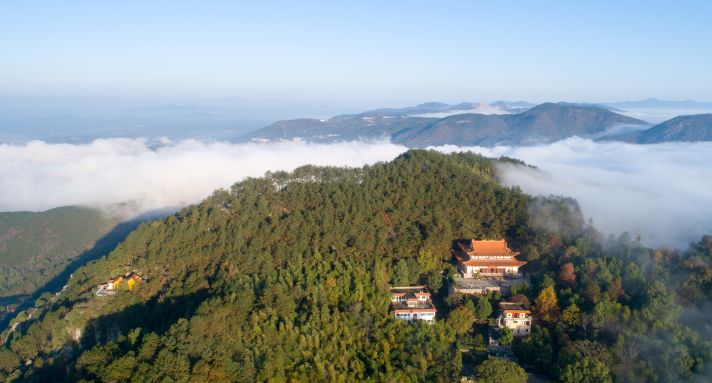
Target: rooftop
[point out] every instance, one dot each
(487, 247)
(511, 306)
(409, 298)
(409, 290)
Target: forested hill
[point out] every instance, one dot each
(286, 278)
(282, 276)
(36, 247)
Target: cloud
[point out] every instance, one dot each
(38, 175)
(663, 193)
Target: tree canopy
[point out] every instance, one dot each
(498, 370)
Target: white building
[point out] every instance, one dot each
(515, 317)
(411, 303)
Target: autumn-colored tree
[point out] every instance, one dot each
(547, 306)
(567, 275)
(616, 289)
(520, 299)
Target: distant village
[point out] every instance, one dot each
(483, 267)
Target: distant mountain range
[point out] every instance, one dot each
(544, 123)
(691, 128)
(654, 103)
(499, 123)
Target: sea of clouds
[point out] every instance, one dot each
(39, 175)
(663, 193)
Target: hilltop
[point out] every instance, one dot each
(287, 277)
(278, 277)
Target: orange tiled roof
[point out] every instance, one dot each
(490, 247)
(515, 308)
(516, 311)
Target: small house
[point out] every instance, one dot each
(515, 317)
(412, 303)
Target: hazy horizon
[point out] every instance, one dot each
(83, 120)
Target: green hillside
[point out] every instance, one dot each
(34, 247)
(39, 250)
(286, 278)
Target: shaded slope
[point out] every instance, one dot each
(34, 247)
(693, 128)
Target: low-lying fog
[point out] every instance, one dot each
(661, 192)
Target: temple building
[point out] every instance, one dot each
(488, 258)
(411, 303)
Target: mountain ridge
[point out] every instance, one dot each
(412, 127)
(688, 128)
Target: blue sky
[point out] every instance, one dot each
(361, 53)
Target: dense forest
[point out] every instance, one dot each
(37, 247)
(285, 278)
